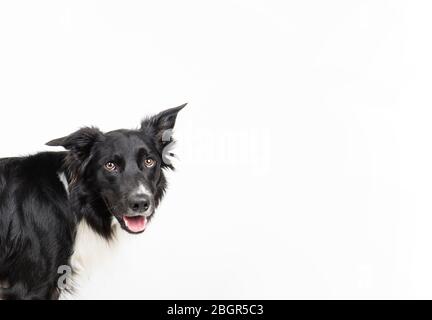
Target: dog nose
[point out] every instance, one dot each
(139, 203)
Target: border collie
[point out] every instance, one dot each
(100, 181)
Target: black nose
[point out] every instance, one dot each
(139, 203)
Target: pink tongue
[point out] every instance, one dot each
(135, 224)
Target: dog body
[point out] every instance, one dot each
(49, 201)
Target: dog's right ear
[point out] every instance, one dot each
(80, 141)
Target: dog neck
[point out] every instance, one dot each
(88, 207)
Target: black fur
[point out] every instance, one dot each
(39, 218)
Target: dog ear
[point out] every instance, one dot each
(160, 126)
(80, 141)
(164, 120)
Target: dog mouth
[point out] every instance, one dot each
(135, 224)
(132, 223)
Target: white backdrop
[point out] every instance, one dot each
(305, 160)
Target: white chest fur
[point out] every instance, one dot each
(90, 247)
(91, 251)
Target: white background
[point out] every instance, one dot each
(305, 155)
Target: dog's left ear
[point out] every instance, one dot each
(161, 124)
(164, 120)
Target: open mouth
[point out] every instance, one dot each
(135, 224)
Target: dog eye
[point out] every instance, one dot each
(149, 162)
(110, 166)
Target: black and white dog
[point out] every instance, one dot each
(101, 180)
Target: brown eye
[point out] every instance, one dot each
(149, 162)
(110, 166)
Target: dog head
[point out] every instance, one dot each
(124, 168)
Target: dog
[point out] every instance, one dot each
(100, 181)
